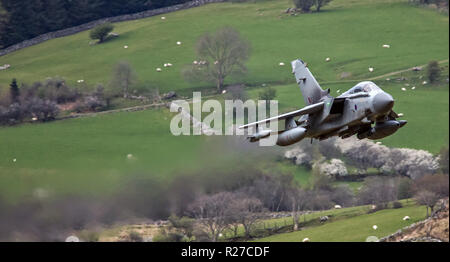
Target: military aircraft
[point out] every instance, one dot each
(364, 110)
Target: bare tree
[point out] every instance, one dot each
(427, 198)
(299, 200)
(123, 77)
(378, 191)
(320, 3)
(245, 211)
(221, 54)
(213, 213)
(437, 183)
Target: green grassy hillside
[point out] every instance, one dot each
(356, 228)
(351, 33)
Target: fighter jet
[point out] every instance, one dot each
(365, 110)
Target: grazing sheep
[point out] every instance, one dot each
(14, 160)
(72, 239)
(158, 69)
(129, 156)
(388, 79)
(378, 143)
(178, 43)
(327, 59)
(80, 81)
(370, 69)
(125, 46)
(338, 91)
(424, 82)
(324, 219)
(34, 118)
(195, 62)
(165, 65)
(224, 91)
(386, 46)
(281, 64)
(400, 114)
(163, 18)
(413, 87)
(305, 239)
(337, 207)
(374, 227)
(403, 89)
(169, 64)
(5, 66)
(406, 218)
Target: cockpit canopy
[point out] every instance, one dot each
(365, 87)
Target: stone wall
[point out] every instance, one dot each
(90, 25)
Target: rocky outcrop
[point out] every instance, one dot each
(432, 229)
(90, 25)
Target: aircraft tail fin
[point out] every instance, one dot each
(311, 90)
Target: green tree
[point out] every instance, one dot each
(434, 71)
(14, 91)
(100, 32)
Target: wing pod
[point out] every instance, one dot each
(259, 135)
(291, 136)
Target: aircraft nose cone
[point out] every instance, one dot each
(383, 103)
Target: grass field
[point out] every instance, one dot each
(89, 155)
(354, 225)
(351, 33)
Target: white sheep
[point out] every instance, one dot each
(413, 87)
(374, 227)
(305, 239)
(224, 91)
(406, 218)
(378, 143)
(386, 46)
(80, 81)
(424, 82)
(125, 46)
(337, 207)
(165, 65)
(178, 43)
(72, 239)
(403, 89)
(370, 69)
(169, 64)
(281, 64)
(400, 114)
(195, 62)
(327, 59)
(158, 69)
(130, 156)
(14, 160)
(216, 62)
(163, 18)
